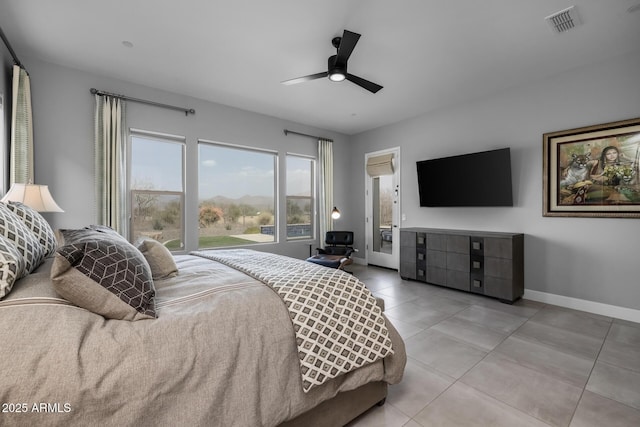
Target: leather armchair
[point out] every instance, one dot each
(337, 252)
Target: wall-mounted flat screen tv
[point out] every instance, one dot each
(476, 179)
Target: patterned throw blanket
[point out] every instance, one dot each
(338, 325)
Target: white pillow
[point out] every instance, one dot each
(37, 224)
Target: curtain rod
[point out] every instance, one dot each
(287, 132)
(11, 51)
(142, 101)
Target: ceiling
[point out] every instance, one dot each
(426, 54)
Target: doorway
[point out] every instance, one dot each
(383, 207)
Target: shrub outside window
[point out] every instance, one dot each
(236, 195)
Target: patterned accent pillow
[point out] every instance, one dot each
(37, 224)
(11, 266)
(159, 258)
(106, 230)
(12, 227)
(104, 274)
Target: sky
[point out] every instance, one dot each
(223, 170)
(234, 173)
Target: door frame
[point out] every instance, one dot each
(394, 258)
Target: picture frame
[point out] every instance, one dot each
(592, 171)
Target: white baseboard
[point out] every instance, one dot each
(608, 310)
(584, 305)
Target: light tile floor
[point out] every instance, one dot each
(473, 361)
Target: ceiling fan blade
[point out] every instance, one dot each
(347, 44)
(305, 78)
(370, 86)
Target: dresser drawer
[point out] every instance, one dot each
(458, 262)
(408, 239)
(499, 288)
(458, 244)
(498, 267)
(437, 259)
(437, 276)
(458, 280)
(498, 248)
(437, 242)
(408, 252)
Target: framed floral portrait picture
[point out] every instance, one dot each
(592, 171)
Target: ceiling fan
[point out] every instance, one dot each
(337, 64)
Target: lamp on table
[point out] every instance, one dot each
(35, 196)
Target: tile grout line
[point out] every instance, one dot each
(456, 380)
(490, 352)
(591, 372)
(478, 304)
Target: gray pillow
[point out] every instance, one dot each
(14, 230)
(159, 258)
(11, 265)
(90, 232)
(104, 274)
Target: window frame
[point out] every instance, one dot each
(276, 178)
(4, 146)
(313, 199)
(164, 138)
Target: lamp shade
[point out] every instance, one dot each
(33, 195)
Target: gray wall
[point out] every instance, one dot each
(594, 259)
(585, 258)
(63, 111)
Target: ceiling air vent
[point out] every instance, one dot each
(564, 20)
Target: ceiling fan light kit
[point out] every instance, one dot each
(336, 73)
(337, 64)
(336, 76)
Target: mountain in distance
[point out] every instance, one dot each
(256, 201)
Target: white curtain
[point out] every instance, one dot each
(110, 170)
(325, 187)
(21, 168)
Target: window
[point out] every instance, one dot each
(4, 164)
(236, 195)
(300, 201)
(157, 188)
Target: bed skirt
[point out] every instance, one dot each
(343, 408)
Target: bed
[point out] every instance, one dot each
(220, 347)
